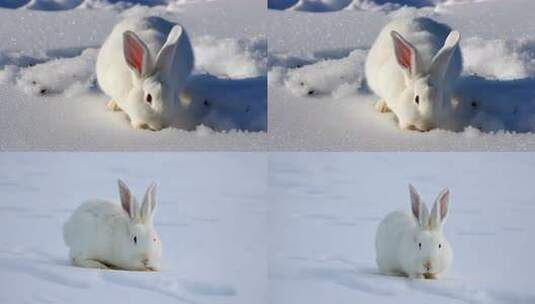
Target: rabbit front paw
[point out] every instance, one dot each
(112, 106)
(381, 106)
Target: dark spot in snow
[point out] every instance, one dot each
(474, 104)
(298, 65)
(311, 92)
(42, 91)
(302, 84)
(34, 82)
(206, 103)
(247, 109)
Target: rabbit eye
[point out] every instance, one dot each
(148, 99)
(417, 99)
(439, 246)
(135, 240)
(420, 246)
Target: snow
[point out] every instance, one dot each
(325, 209)
(372, 5)
(50, 99)
(204, 201)
(319, 101)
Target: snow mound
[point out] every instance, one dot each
(231, 58)
(335, 77)
(368, 5)
(56, 5)
(500, 59)
(498, 89)
(69, 76)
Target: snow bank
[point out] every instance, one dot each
(369, 5)
(335, 77)
(500, 58)
(55, 5)
(67, 76)
(231, 58)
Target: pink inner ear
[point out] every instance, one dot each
(403, 53)
(443, 208)
(134, 54)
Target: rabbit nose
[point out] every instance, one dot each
(428, 265)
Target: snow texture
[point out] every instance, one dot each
(47, 77)
(371, 5)
(325, 210)
(204, 201)
(319, 100)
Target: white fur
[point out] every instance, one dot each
(437, 63)
(167, 66)
(400, 234)
(100, 234)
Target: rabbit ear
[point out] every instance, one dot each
(149, 203)
(166, 55)
(136, 54)
(419, 209)
(128, 202)
(440, 209)
(406, 55)
(441, 61)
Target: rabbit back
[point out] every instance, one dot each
(392, 230)
(91, 228)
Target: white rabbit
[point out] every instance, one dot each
(413, 66)
(413, 245)
(102, 234)
(143, 66)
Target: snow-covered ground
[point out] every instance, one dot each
(210, 216)
(49, 99)
(325, 209)
(270, 228)
(318, 98)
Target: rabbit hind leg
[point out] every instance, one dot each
(88, 263)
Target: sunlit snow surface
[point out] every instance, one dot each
(50, 99)
(319, 99)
